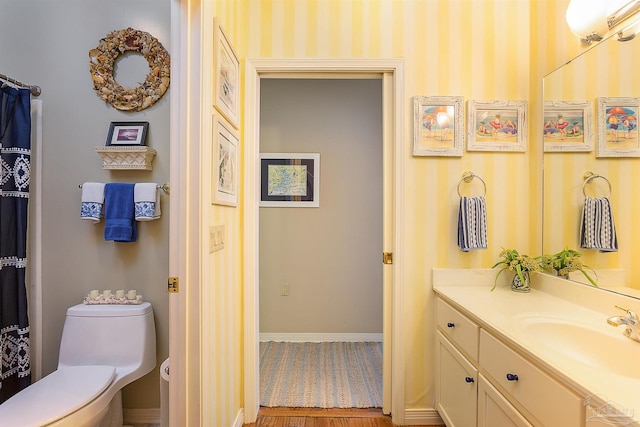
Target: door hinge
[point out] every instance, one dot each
(173, 285)
(387, 257)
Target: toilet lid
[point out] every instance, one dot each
(57, 395)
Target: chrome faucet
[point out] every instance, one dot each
(631, 322)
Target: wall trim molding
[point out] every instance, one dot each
(141, 416)
(239, 421)
(320, 337)
(391, 70)
(424, 417)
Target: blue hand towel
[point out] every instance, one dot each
(472, 223)
(120, 225)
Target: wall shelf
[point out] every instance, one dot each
(126, 157)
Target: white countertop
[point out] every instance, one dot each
(500, 311)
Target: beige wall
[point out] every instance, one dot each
(46, 42)
(329, 256)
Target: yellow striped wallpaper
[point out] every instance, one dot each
(221, 290)
(477, 49)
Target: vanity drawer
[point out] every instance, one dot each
(548, 401)
(458, 328)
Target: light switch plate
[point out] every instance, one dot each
(216, 238)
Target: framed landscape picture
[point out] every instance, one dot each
(127, 133)
(290, 180)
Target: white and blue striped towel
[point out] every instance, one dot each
(597, 230)
(472, 223)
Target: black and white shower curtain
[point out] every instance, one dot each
(15, 162)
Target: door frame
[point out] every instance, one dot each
(391, 72)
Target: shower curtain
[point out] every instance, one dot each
(15, 162)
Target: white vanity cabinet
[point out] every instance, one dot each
(456, 385)
(481, 381)
(494, 410)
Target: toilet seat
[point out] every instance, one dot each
(58, 394)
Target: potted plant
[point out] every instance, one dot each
(566, 261)
(523, 265)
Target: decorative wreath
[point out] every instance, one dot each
(102, 60)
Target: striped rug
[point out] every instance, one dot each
(321, 375)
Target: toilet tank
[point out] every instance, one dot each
(119, 335)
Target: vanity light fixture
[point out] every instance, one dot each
(592, 19)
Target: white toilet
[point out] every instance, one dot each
(103, 348)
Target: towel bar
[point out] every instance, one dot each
(589, 176)
(467, 177)
(166, 187)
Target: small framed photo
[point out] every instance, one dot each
(438, 123)
(568, 126)
(290, 180)
(127, 133)
(226, 78)
(497, 126)
(224, 171)
(617, 122)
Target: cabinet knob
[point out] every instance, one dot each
(450, 325)
(469, 379)
(512, 377)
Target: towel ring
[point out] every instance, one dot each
(467, 177)
(590, 176)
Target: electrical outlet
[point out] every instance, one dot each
(216, 238)
(284, 290)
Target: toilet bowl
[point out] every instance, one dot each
(103, 348)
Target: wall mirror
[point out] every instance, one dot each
(582, 92)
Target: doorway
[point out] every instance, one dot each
(390, 72)
(320, 267)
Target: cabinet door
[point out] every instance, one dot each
(494, 410)
(456, 386)
(545, 398)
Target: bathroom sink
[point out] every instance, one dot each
(593, 344)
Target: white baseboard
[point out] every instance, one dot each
(239, 418)
(422, 417)
(319, 337)
(141, 416)
(152, 416)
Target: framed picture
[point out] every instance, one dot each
(290, 180)
(617, 122)
(226, 78)
(127, 133)
(438, 126)
(497, 126)
(224, 171)
(568, 126)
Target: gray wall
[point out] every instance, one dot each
(331, 256)
(46, 42)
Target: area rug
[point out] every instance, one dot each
(321, 375)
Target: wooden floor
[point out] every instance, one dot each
(317, 417)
